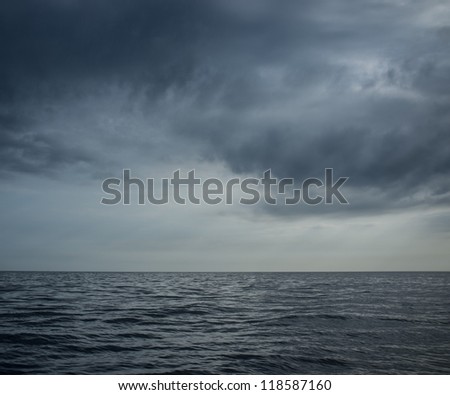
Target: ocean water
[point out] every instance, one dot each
(224, 323)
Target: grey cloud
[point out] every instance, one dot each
(295, 87)
(22, 150)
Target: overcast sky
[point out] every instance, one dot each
(229, 88)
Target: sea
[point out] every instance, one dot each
(224, 323)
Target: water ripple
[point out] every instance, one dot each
(224, 323)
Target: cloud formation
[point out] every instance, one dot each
(291, 86)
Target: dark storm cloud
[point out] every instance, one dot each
(22, 150)
(61, 51)
(293, 86)
(50, 40)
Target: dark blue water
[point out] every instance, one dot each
(224, 323)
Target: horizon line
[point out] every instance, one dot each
(225, 271)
